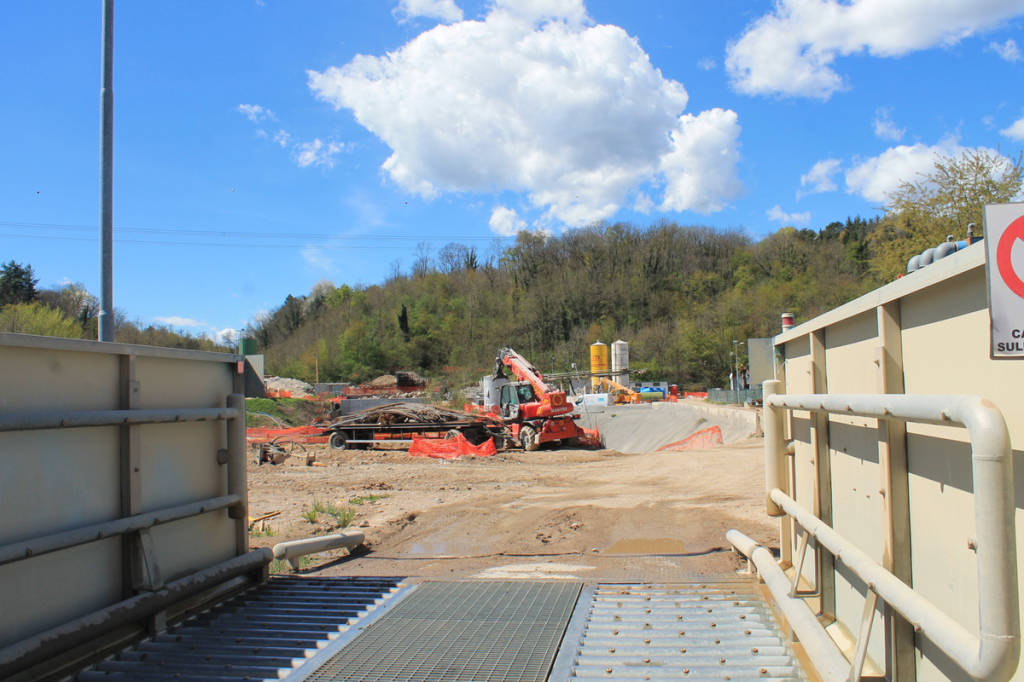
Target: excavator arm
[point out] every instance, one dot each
(551, 402)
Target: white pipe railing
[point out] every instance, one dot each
(993, 653)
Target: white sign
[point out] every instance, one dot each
(1004, 246)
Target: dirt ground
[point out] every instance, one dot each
(582, 514)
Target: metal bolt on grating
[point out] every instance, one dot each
(730, 633)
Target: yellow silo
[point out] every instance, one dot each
(598, 362)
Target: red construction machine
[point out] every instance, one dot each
(534, 412)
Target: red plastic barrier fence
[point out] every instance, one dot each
(450, 448)
(702, 395)
(705, 438)
(299, 434)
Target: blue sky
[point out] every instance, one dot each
(257, 153)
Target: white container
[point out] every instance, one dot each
(620, 362)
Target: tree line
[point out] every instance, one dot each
(678, 293)
(70, 311)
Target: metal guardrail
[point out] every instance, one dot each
(993, 653)
(721, 395)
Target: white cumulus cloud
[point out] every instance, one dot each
(1015, 131)
(256, 113)
(316, 257)
(317, 153)
(176, 321)
(819, 178)
(776, 214)
(506, 221)
(707, 64)
(792, 50)
(1007, 51)
(880, 175)
(700, 170)
(444, 10)
(644, 203)
(885, 129)
(534, 98)
(282, 137)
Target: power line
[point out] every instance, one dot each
(249, 234)
(237, 245)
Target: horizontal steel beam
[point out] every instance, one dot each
(16, 551)
(30, 421)
(38, 648)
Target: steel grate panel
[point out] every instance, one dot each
(460, 632)
(719, 630)
(258, 634)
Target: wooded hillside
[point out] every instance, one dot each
(678, 294)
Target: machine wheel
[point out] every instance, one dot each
(528, 438)
(338, 441)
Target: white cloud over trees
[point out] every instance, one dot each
(535, 98)
(506, 221)
(792, 50)
(819, 178)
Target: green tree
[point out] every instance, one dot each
(17, 283)
(922, 212)
(36, 318)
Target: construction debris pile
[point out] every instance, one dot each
(407, 421)
(284, 387)
(405, 413)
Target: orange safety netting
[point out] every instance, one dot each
(589, 437)
(450, 448)
(705, 438)
(299, 434)
(695, 394)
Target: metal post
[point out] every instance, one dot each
(236, 472)
(106, 315)
(775, 470)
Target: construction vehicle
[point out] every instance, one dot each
(534, 412)
(623, 394)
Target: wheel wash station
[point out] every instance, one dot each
(891, 433)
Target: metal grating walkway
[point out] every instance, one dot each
(460, 632)
(720, 630)
(255, 635)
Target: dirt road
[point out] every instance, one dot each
(592, 515)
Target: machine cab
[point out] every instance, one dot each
(513, 395)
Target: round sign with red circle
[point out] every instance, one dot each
(1013, 232)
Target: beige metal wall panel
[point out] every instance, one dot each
(167, 382)
(43, 379)
(850, 347)
(51, 481)
(855, 475)
(939, 458)
(179, 463)
(209, 539)
(49, 590)
(54, 480)
(800, 379)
